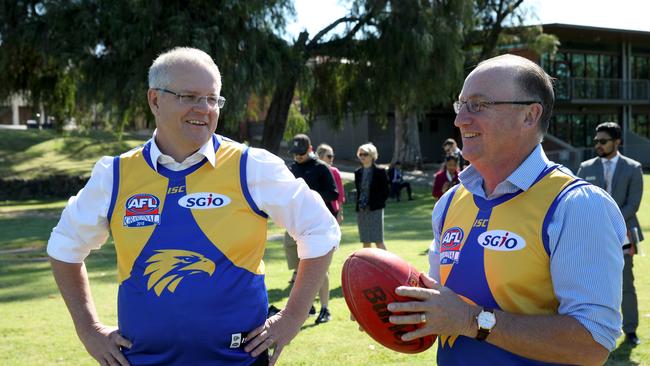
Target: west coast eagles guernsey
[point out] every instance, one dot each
(189, 250)
(495, 253)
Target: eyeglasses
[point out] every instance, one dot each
(330, 156)
(601, 141)
(190, 99)
(475, 106)
(363, 154)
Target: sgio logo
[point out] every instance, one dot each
(501, 240)
(204, 201)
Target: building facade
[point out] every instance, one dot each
(601, 75)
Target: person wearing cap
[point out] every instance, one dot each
(317, 175)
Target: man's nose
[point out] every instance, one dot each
(462, 118)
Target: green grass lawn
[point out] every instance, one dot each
(34, 153)
(35, 328)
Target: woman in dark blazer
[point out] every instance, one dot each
(372, 187)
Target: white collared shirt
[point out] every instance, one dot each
(157, 157)
(288, 201)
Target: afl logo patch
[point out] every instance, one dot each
(450, 243)
(204, 201)
(501, 240)
(142, 209)
(452, 238)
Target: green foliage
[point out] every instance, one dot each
(296, 123)
(102, 49)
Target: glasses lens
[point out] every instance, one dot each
(474, 106)
(188, 99)
(457, 105)
(363, 154)
(330, 156)
(601, 141)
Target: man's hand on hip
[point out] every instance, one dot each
(275, 333)
(104, 345)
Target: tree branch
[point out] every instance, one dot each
(326, 30)
(366, 19)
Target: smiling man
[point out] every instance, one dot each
(188, 213)
(520, 275)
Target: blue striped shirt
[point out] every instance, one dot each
(586, 235)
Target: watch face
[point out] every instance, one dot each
(486, 320)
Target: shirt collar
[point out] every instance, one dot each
(206, 150)
(614, 160)
(523, 177)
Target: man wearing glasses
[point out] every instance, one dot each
(622, 178)
(521, 273)
(188, 214)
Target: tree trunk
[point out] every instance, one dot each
(276, 118)
(407, 140)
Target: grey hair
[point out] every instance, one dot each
(159, 70)
(370, 149)
(323, 149)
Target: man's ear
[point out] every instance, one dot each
(153, 99)
(534, 114)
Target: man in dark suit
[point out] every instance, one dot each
(622, 177)
(397, 182)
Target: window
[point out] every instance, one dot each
(578, 129)
(641, 125)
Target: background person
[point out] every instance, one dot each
(451, 147)
(446, 177)
(520, 276)
(396, 179)
(191, 282)
(622, 178)
(326, 154)
(371, 183)
(319, 178)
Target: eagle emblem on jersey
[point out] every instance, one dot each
(168, 267)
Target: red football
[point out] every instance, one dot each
(369, 280)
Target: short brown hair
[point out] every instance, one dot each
(534, 82)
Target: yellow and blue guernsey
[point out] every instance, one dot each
(495, 253)
(189, 254)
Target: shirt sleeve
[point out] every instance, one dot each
(434, 248)
(291, 204)
(587, 261)
(83, 225)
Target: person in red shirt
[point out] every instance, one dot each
(447, 177)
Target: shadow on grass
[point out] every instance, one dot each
(23, 279)
(621, 356)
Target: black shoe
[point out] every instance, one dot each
(272, 311)
(632, 339)
(324, 316)
(312, 311)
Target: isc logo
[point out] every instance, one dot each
(203, 201)
(501, 240)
